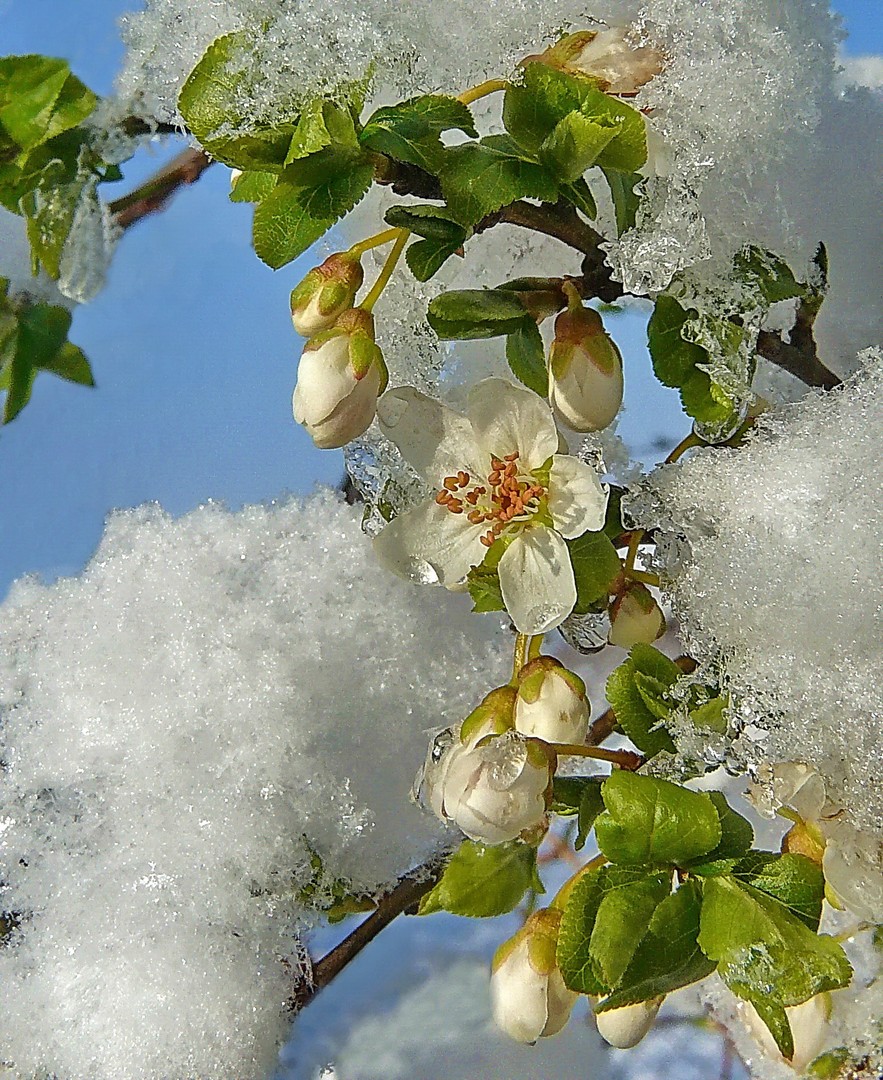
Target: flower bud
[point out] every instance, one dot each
(809, 1029)
(326, 293)
(585, 371)
(625, 1027)
(528, 995)
(494, 790)
(635, 617)
(606, 58)
(493, 716)
(340, 376)
(551, 703)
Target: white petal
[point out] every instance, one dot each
(508, 419)
(536, 580)
(434, 439)
(430, 545)
(577, 498)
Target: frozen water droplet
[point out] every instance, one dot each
(586, 633)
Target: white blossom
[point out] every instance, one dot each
(625, 1027)
(551, 702)
(498, 476)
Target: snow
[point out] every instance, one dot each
(770, 556)
(213, 700)
(15, 262)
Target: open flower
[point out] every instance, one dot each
(498, 477)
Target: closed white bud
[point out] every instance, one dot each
(551, 703)
(635, 617)
(326, 293)
(625, 1027)
(340, 376)
(585, 371)
(809, 1029)
(528, 995)
(496, 790)
(606, 57)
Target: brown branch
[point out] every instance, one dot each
(152, 196)
(799, 355)
(410, 889)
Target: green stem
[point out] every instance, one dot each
(625, 759)
(491, 86)
(519, 658)
(377, 240)
(386, 273)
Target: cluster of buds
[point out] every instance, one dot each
(606, 57)
(341, 372)
(531, 1001)
(635, 616)
(585, 371)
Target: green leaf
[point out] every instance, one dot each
(579, 795)
(596, 567)
(623, 918)
(252, 186)
(482, 882)
(794, 880)
(532, 109)
(410, 131)
(467, 314)
(42, 331)
(582, 957)
(737, 836)
(641, 725)
(426, 257)
(483, 583)
(767, 274)
(652, 821)
(765, 954)
(40, 99)
(710, 715)
(674, 359)
(575, 142)
(50, 209)
(526, 355)
(579, 194)
(18, 377)
(311, 132)
(430, 222)
(625, 199)
(478, 178)
(208, 104)
(656, 665)
(295, 214)
(668, 955)
(70, 363)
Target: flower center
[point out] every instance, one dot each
(507, 496)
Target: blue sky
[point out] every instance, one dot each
(193, 351)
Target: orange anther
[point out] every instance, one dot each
(475, 516)
(463, 478)
(450, 483)
(487, 540)
(443, 497)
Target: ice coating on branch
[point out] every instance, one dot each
(773, 562)
(210, 702)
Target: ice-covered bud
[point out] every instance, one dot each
(809, 1029)
(528, 995)
(498, 789)
(493, 716)
(340, 376)
(585, 371)
(326, 293)
(551, 703)
(635, 617)
(853, 867)
(606, 57)
(625, 1027)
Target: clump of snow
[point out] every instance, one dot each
(214, 702)
(772, 559)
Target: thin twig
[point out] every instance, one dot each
(152, 195)
(410, 889)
